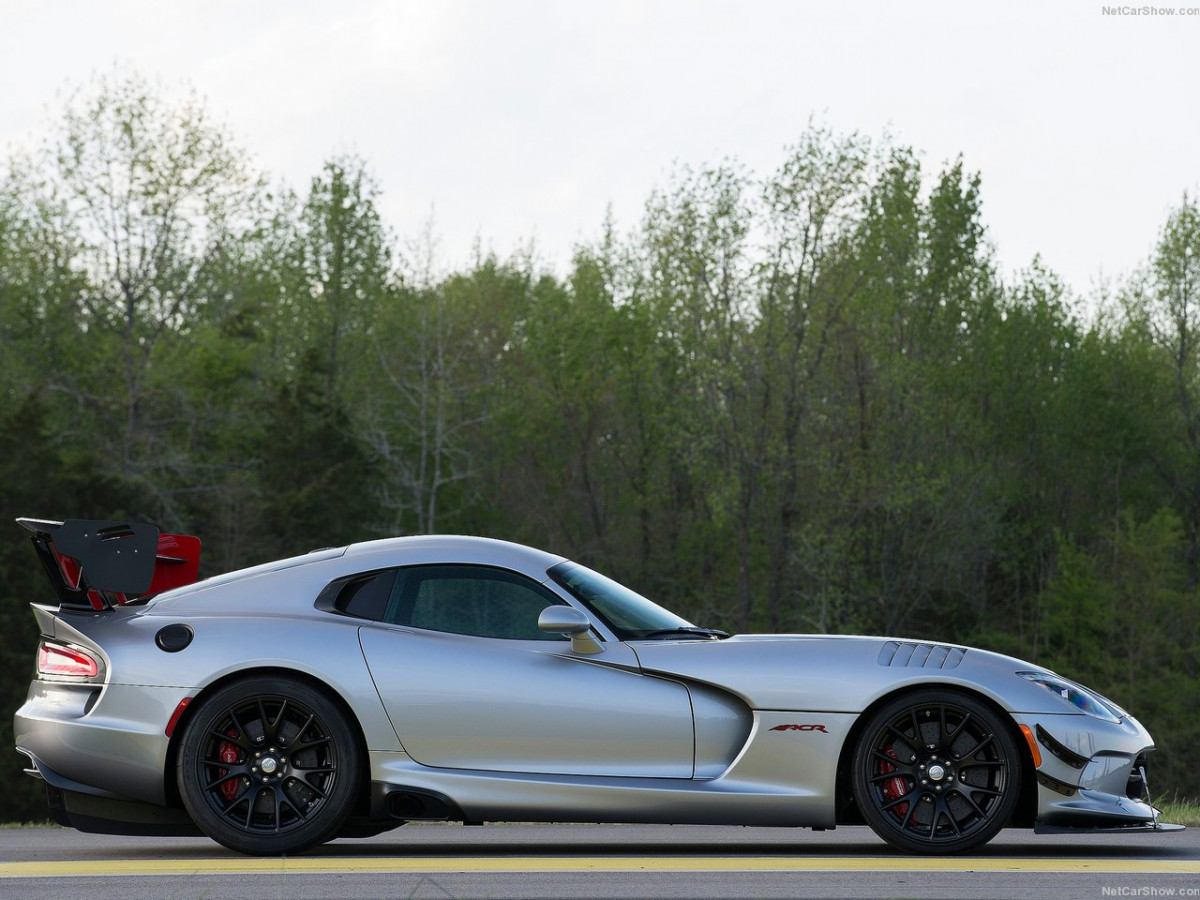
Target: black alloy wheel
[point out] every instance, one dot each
(936, 771)
(269, 766)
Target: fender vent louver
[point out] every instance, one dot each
(920, 656)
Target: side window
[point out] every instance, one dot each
(472, 600)
(363, 596)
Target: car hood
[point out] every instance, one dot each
(831, 673)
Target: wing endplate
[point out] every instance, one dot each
(97, 564)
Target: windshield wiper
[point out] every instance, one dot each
(714, 634)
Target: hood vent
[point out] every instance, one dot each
(920, 656)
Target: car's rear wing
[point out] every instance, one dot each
(97, 565)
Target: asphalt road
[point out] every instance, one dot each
(585, 861)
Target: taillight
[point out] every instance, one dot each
(58, 659)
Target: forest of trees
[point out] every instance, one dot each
(800, 401)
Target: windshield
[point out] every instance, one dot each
(630, 615)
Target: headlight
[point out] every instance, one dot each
(1077, 695)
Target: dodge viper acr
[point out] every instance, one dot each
(354, 689)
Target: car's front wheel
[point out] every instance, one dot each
(936, 771)
(269, 766)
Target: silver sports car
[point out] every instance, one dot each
(351, 690)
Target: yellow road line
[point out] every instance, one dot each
(288, 865)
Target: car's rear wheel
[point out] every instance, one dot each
(936, 772)
(269, 766)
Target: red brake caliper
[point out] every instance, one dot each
(228, 754)
(894, 788)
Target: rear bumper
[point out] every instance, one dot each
(106, 741)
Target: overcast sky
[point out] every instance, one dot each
(517, 119)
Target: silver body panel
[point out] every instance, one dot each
(747, 730)
(529, 706)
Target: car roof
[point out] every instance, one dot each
(452, 548)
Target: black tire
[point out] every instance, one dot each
(269, 766)
(936, 772)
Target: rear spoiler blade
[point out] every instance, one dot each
(94, 564)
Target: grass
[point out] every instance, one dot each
(1179, 812)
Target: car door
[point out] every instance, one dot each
(470, 682)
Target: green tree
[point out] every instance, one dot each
(149, 194)
(343, 260)
(1164, 305)
(40, 476)
(317, 478)
(1125, 620)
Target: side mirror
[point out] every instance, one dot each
(569, 620)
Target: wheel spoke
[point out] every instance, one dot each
(282, 798)
(305, 776)
(231, 774)
(251, 802)
(239, 740)
(953, 735)
(984, 741)
(913, 743)
(888, 759)
(268, 727)
(218, 763)
(261, 709)
(280, 718)
(303, 728)
(277, 800)
(991, 792)
(240, 728)
(911, 797)
(966, 796)
(942, 810)
(916, 731)
(308, 745)
(229, 807)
